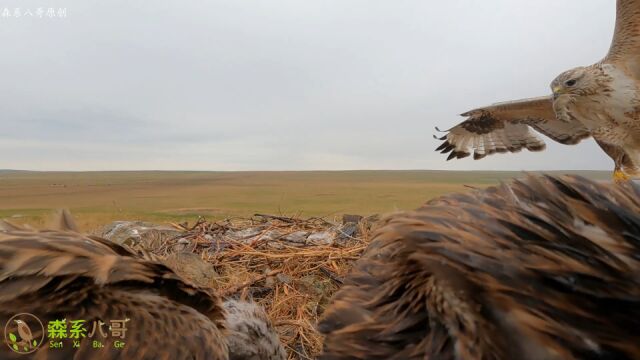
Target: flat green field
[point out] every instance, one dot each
(96, 198)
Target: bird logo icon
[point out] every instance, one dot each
(18, 334)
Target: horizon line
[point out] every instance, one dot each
(314, 170)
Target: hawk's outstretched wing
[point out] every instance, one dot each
(506, 127)
(625, 47)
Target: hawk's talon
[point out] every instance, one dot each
(620, 176)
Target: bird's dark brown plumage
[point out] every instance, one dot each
(544, 268)
(58, 275)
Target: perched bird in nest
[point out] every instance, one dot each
(543, 268)
(250, 332)
(65, 275)
(600, 101)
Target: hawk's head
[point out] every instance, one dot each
(574, 82)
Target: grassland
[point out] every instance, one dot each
(97, 198)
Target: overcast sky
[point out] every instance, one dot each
(280, 85)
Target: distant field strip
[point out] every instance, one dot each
(96, 198)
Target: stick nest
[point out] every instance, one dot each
(289, 265)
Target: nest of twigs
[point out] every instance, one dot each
(291, 266)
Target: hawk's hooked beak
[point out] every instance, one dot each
(557, 91)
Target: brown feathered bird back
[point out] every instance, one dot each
(543, 268)
(57, 275)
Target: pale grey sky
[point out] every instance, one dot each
(280, 85)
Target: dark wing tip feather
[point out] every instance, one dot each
(445, 147)
(478, 156)
(448, 148)
(457, 155)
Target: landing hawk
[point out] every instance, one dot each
(601, 100)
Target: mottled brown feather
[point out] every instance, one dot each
(543, 268)
(62, 274)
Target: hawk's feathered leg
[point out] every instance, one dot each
(624, 167)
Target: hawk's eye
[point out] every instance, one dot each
(570, 82)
